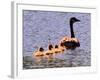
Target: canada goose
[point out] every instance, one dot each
(57, 49)
(38, 55)
(71, 42)
(49, 52)
(62, 47)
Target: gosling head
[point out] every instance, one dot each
(41, 49)
(56, 46)
(50, 47)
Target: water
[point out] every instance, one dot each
(43, 27)
(69, 58)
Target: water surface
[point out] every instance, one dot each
(43, 27)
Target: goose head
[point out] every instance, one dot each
(73, 20)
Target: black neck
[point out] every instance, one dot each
(71, 30)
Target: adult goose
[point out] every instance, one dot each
(71, 42)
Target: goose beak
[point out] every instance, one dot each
(78, 20)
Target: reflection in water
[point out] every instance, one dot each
(70, 58)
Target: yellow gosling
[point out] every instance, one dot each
(57, 50)
(38, 55)
(49, 53)
(62, 48)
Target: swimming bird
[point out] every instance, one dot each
(59, 48)
(62, 47)
(71, 42)
(39, 54)
(49, 53)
